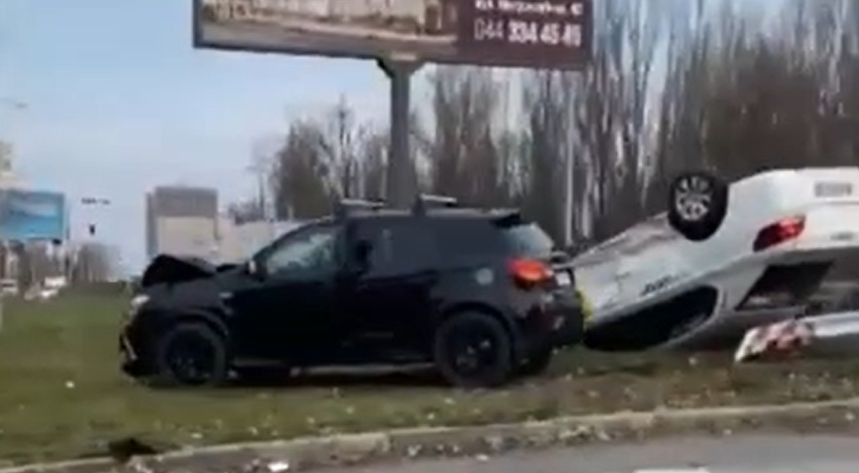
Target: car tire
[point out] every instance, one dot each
(191, 355)
(536, 363)
(473, 350)
(697, 204)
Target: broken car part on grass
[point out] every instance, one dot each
(824, 335)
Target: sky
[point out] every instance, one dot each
(119, 101)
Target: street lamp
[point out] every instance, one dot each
(93, 202)
(14, 103)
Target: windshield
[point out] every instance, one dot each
(266, 236)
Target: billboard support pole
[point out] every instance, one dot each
(401, 177)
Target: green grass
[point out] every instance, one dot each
(62, 395)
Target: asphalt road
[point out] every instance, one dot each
(737, 454)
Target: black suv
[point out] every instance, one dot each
(482, 294)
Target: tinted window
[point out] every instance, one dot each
(466, 238)
(527, 240)
(396, 246)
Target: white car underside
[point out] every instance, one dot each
(652, 287)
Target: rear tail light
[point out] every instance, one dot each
(529, 273)
(784, 230)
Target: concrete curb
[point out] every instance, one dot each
(304, 453)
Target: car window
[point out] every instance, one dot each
(527, 240)
(396, 247)
(466, 239)
(309, 252)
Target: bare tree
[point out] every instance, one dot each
(299, 175)
(463, 152)
(324, 160)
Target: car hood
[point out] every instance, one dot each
(181, 283)
(169, 269)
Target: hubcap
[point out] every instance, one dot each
(191, 359)
(693, 199)
(473, 350)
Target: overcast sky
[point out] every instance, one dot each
(119, 102)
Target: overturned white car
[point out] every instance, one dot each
(723, 259)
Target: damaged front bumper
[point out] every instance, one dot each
(133, 361)
(130, 363)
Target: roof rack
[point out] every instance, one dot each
(425, 201)
(344, 206)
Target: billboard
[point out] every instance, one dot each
(32, 215)
(516, 33)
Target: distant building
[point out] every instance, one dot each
(241, 241)
(182, 221)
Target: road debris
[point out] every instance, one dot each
(602, 435)
(681, 470)
(137, 466)
(830, 334)
(278, 466)
(494, 442)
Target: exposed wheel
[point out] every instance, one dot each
(473, 350)
(536, 363)
(697, 205)
(191, 354)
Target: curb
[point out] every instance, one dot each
(304, 453)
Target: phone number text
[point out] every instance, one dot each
(523, 32)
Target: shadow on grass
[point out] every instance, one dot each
(377, 377)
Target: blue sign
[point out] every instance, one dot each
(32, 215)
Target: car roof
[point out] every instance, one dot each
(432, 214)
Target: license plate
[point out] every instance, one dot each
(844, 236)
(833, 189)
(563, 279)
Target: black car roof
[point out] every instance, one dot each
(435, 214)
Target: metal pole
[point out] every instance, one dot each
(568, 189)
(401, 181)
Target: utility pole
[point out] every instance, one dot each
(569, 167)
